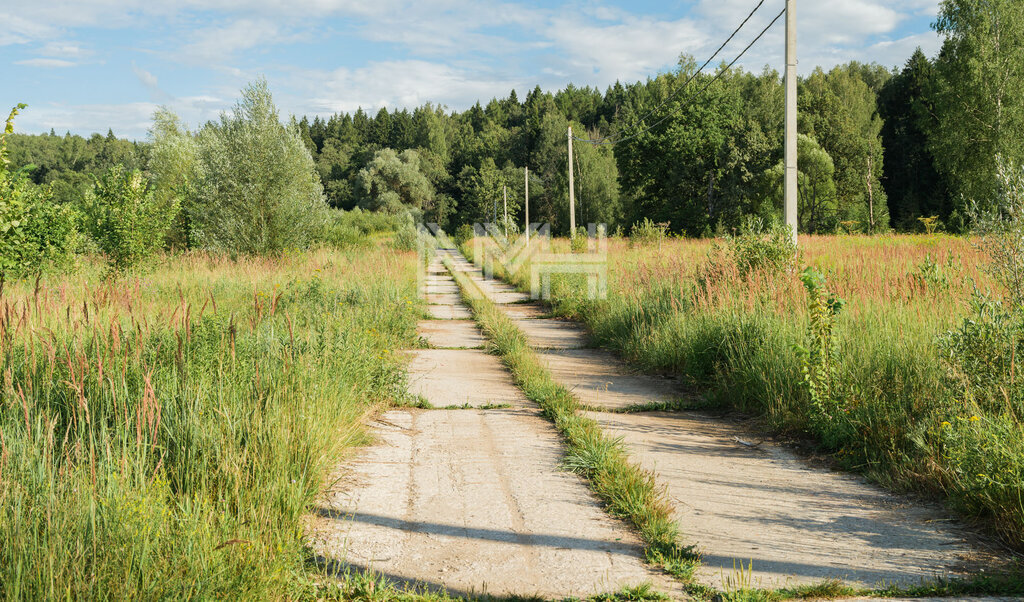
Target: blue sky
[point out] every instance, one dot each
(89, 65)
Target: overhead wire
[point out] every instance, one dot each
(692, 76)
(607, 141)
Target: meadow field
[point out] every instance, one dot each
(164, 431)
(893, 354)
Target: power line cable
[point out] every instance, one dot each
(721, 72)
(689, 79)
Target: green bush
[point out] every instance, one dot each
(984, 463)
(579, 241)
(256, 186)
(464, 234)
(34, 231)
(819, 363)
(647, 232)
(123, 217)
(761, 247)
(981, 356)
(409, 238)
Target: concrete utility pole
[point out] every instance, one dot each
(572, 192)
(526, 202)
(791, 152)
(504, 210)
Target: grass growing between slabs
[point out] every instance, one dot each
(162, 434)
(921, 393)
(652, 324)
(629, 492)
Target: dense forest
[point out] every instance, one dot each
(878, 150)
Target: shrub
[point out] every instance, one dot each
(761, 247)
(464, 234)
(406, 238)
(579, 241)
(409, 238)
(647, 232)
(34, 231)
(257, 191)
(931, 275)
(124, 218)
(981, 355)
(339, 231)
(819, 361)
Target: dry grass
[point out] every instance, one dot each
(162, 434)
(678, 307)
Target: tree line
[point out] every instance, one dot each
(878, 149)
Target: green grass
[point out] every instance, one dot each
(904, 417)
(163, 434)
(675, 405)
(629, 492)
(739, 351)
(373, 587)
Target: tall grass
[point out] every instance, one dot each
(673, 308)
(161, 435)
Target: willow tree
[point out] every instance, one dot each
(256, 186)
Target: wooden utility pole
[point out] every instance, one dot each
(504, 211)
(572, 192)
(791, 148)
(526, 201)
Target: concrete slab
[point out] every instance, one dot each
(443, 299)
(760, 503)
(601, 380)
(451, 334)
(553, 333)
(454, 377)
(525, 311)
(449, 312)
(509, 297)
(441, 288)
(475, 502)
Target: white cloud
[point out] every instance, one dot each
(217, 44)
(452, 52)
(147, 79)
(66, 50)
(18, 29)
(398, 84)
(128, 119)
(829, 33)
(45, 63)
(630, 50)
(894, 53)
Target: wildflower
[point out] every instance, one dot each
(974, 419)
(944, 424)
